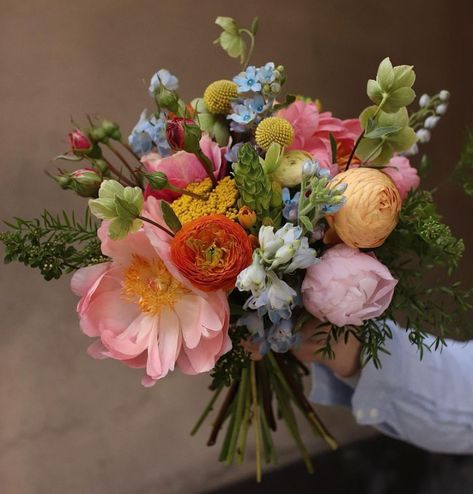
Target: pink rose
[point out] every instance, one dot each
(403, 174)
(312, 131)
(347, 287)
(183, 168)
(79, 142)
(143, 313)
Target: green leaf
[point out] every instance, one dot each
(385, 75)
(306, 223)
(220, 131)
(170, 217)
(254, 26)
(403, 96)
(227, 24)
(381, 132)
(233, 44)
(404, 76)
(374, 91)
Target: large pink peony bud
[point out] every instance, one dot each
(347, 287)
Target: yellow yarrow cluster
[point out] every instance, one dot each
(218, 96)
(221, 200)
(274, 129)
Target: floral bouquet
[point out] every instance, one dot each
(237, 218)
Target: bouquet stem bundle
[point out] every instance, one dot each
(249, 402)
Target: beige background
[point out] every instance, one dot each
(69, 424)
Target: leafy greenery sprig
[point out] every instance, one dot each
(55, 244)
(463, 173)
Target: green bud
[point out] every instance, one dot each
(157, 180)
(280, 68)
(272, 160)
(167, 99)
(101, 166)
(98, 134)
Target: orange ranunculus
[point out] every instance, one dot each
(210, 252)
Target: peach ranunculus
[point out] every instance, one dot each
(312, 131)
(403, 174)
(371, 210)
(144, 313)
(347, 287)
(183, 168)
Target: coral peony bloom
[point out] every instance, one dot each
(211, 251)
(312, 131)
(403, 174)
(146, 316)
(371, 211)
(183, 168)
(347, 287)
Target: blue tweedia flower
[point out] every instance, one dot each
(236, 127)
(266, 73)
(242, 114)
(333, 208)
(165, 78)
(248, 80)
(291, 206)
(149, 131)
(256, 103)
(232, 154)
(281, 338)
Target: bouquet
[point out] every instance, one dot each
(237, 218)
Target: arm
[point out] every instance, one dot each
(428, 403)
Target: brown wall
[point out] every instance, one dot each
(71, 424)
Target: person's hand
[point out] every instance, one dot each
(347, 355)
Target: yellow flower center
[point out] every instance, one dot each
(220, 200)
(148, 283)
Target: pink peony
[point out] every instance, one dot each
(183, 168)
(312, 130)
(144, 313)
(403, 174)
(347, 287)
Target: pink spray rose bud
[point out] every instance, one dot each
(183, 134)
(403, 174)
(79, 142)
(85, 182)
(347, 287)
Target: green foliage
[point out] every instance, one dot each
(229, 366)
(231, 38)
(420, 243)
(463, 173)
(55, 244)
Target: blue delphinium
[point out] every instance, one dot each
(248, 80)
(266, 73)
(281, 337)
(165, 78)
(148, 132)
(291, 206)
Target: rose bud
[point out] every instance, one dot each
(246, 217)
(371, 210)
(79, 142)
(85, 182)
(183, 134)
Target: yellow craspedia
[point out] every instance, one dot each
(371, 211)
(274, 129)
(221, 200)
(218, 96)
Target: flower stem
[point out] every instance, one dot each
(222, 414)
(206, 411)
(124, 161)
(206, 163)
(186, 192)
(252, 46)
(120, 176)
(256, 422)
(157, 225)
(352, 154)
(130, 150)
